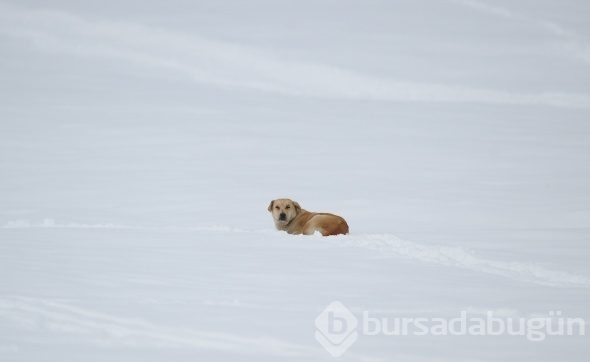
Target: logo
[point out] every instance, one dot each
(336, 326)
(336, 329)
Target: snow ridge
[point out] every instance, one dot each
(50, 223)
(392, 246)
(387, 245)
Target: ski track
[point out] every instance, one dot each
(258, 69)
(111, 330)
(572, 43)
(386, 245)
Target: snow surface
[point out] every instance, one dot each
(141, 142)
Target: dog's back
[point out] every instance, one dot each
(309, 223)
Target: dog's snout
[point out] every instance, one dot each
(282, 216)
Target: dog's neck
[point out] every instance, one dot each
(285, 226)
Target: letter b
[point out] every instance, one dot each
(366, 321)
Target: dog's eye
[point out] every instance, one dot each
(288, 207)
(276, 207)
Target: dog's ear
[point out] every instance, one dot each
(297, 207)
(270, 206)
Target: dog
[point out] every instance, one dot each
(290, 217)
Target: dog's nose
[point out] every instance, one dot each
(282, 216)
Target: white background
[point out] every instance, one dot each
(141, 142)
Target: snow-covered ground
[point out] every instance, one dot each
(141, 142)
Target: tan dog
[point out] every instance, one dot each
(290, 217)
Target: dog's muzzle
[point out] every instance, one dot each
(282, 216)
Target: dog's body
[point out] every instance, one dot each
(290, 217)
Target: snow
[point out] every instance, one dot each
(140, 145)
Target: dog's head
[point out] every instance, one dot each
(283, 210)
